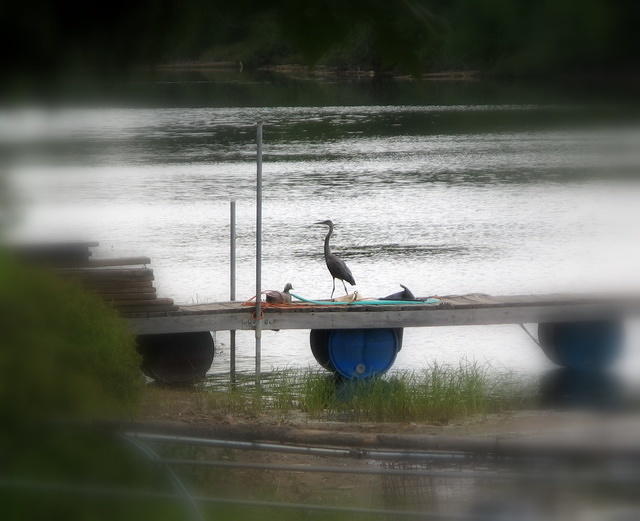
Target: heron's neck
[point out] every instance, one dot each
(327, 249)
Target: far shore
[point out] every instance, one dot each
(318, 72)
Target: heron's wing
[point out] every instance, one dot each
(350, 279)
(340, 270)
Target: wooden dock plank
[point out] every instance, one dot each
(60, 254)
(114, 291)
(142, 302)
(117, 261)
(120, 286)
(452, 311)
(108, 274)
(123, 299)
(129, 295)
(147, 309)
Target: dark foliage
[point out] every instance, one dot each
(47, 40)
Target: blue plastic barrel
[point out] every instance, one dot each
(356, 353)
(583, 346)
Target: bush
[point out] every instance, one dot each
(66, 359)
(65, 353)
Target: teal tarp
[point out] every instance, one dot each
(432, 301)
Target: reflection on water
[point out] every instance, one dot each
(391, 250)
(583, 390)
(445, 195)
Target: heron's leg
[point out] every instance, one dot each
(345, 288)
(334, 287)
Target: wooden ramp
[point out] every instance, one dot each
(458, 310)
(124, 282)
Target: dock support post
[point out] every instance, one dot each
(258, 252)
(232, 287)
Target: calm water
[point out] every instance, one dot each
(444, 198)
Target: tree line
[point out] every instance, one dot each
(43, 40)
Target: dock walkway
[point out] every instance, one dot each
(458, 310)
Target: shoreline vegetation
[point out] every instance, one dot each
(412, 39)
(301, 71)
(438, 395)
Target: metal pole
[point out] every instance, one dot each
(232, 287)
(258, 252)
(308, 449)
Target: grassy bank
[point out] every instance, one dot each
(437, 394)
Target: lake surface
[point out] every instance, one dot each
(443, 197)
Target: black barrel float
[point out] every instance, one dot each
(176, 358)
(564, 388)
(356, 353)
(583, 346)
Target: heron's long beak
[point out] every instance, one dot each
(319, 222)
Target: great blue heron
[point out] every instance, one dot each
(337, 267)
(279, 297)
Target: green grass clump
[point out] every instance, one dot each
(438, 394)
(279, 393)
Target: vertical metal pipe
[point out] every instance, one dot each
(258, 252)
(232, 287)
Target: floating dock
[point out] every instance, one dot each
(355, 340)
(458, 310)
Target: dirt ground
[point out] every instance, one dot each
(462, 493)
(188, 407)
